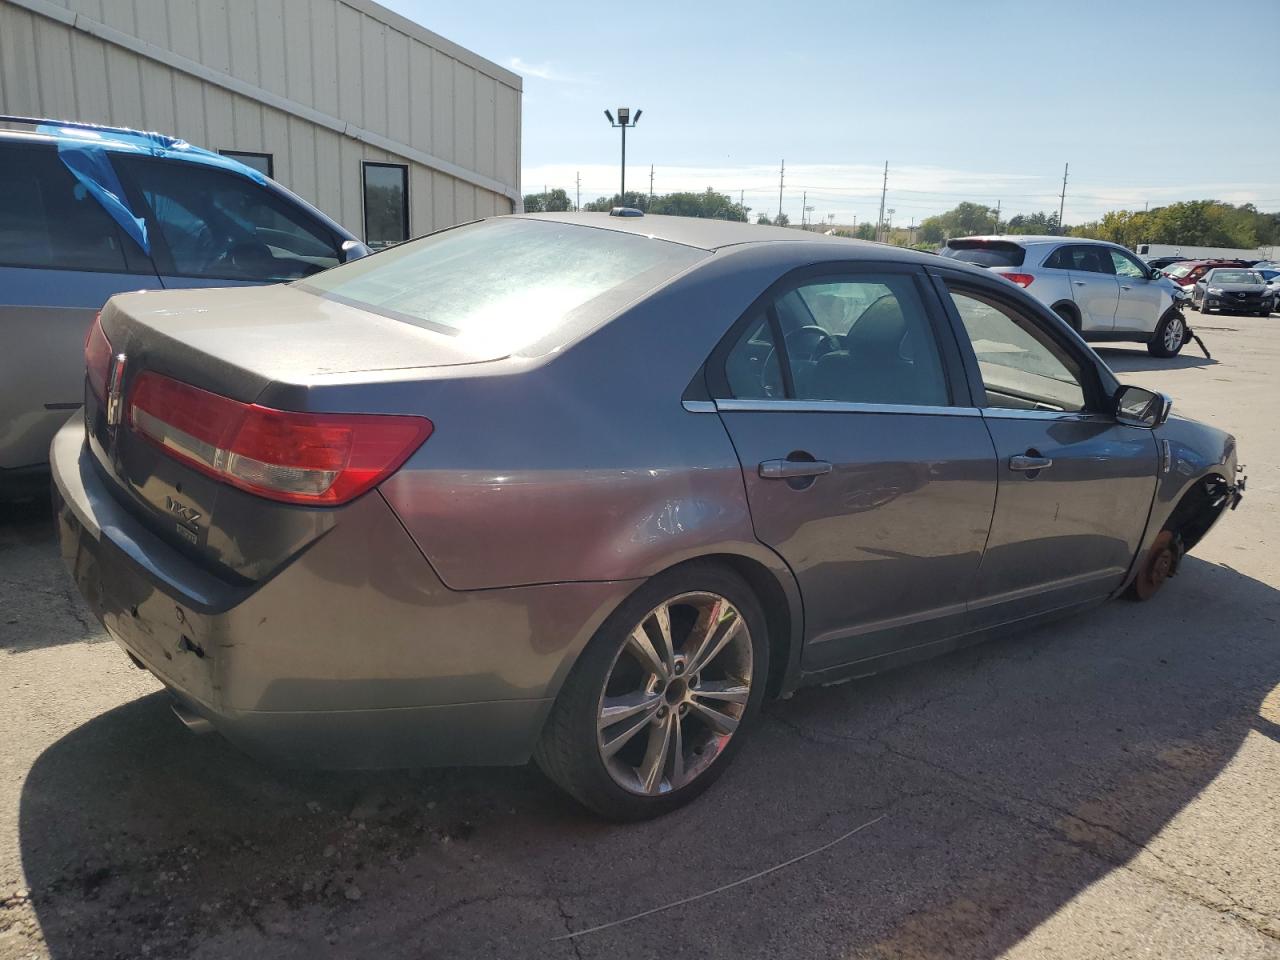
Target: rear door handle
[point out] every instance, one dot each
(1125, 286)
(1026, 463)
(787, 469)
(1080, 283)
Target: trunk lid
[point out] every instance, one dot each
(263, 345)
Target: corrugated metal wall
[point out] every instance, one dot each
(295, 62)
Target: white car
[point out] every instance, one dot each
(1271, 274)
(1101, 289)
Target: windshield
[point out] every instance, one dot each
(506, 283)
(1234, 276)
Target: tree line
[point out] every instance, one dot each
(1210, 223)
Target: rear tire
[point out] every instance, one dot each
(1169, 336)
(632, 736)
(1069, 316)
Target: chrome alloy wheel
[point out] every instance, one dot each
(1174, 332)
(675, 693)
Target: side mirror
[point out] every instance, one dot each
(1142, 408)
(352, 250)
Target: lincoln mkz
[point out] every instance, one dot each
(589, 489)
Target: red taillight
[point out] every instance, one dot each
(97, 358)
(315, 458)
(1021, 279)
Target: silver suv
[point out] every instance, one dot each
(1101, 289)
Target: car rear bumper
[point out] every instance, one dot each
(353, 655)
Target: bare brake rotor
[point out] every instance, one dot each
(1160, 564)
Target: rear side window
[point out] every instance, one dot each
(219, 225)
(985, 253)
(506, 283)
(48, 219)
(1082, 258)
(859, 338)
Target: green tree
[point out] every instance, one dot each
(764, 219)
(639, 201)
(708, 204)
(781, 220)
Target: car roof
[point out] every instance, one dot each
(1027, 240)
(707, 234)
(118, 140)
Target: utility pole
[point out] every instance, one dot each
(577, 177)
(913, 230)
(883, 190)
(804, 205)
(651, 184)
(997, 228)
(782, 172)
(1062, 202)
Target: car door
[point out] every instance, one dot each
(61, 258)
(1093, 286)
(213, 227)
(1142, 299)
(866, 466)
(1074, 485)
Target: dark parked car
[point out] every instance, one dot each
(1231, 290)
(591, 488)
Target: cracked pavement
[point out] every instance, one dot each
(1102, 787)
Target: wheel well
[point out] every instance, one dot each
(1069, 312)
(777, 610)
(1198, 509)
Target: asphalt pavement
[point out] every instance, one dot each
(1108, 786)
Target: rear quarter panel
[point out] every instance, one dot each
(587, 466)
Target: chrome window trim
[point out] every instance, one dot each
(839, 406)
(699, 406)
(1075, 416)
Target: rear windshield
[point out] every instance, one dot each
(985, 253)
(506, 283)
(1178, 271)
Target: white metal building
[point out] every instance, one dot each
(387, 127)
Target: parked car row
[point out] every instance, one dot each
(88, 212)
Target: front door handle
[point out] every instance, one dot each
(1125, 286)
(1026, 463)
(1080, 283)
(788, 469)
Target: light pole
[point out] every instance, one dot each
(624, 120)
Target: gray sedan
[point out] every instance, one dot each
(589, 489)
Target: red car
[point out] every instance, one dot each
(1186, 273)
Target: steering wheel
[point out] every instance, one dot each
(249, 257)
(815, 336)
(771, 372)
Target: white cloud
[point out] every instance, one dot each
(541, 71)
(852, 191)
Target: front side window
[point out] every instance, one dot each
(386, 204)
(1126, 266)
(856, 339)
(49, 220)
(1022, 368)
(220, 225)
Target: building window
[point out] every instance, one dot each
(262, 162)
(386, 204)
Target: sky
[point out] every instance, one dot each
(979, 100)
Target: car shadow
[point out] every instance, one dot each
(1010, 777)
(39, 605)
(1121, 360)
